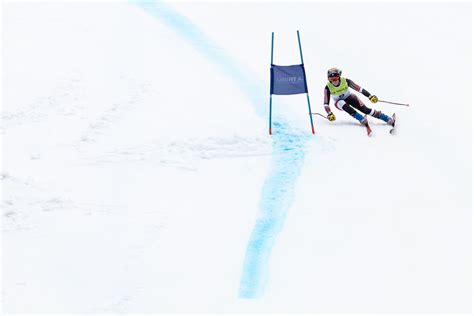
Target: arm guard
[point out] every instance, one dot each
(357, 88)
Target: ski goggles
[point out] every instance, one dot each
(334, 77)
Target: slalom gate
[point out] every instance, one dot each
(288, 80)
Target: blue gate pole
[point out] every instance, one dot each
(270, 116)
(307, 95)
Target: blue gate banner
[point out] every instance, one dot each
(286, 80)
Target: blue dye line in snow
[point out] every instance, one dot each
(287, 158)
(204, 45)
(276, 199)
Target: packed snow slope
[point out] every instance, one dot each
(138, 174)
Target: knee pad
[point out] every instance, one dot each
(339, 104)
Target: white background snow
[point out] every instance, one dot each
(133, 164)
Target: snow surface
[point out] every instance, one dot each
(138, 174)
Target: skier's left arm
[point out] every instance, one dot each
(356, 87)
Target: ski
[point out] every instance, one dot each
(365, 122)
(392, 130)
(369, 130)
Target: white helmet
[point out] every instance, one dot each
(334, 72)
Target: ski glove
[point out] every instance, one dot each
(373, 99)
(331, 116)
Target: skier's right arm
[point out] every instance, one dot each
(331, 115)
(326, 100)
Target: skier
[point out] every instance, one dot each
(345, 100)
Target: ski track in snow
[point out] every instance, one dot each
(20, 214)
(288, 150)
(69, 92)
(66, 102)
(18, 209)
(113, 113)
(183, 154)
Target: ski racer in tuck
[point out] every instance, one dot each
(338, 88)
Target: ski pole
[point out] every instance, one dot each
(320, 115)
(404, 104)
